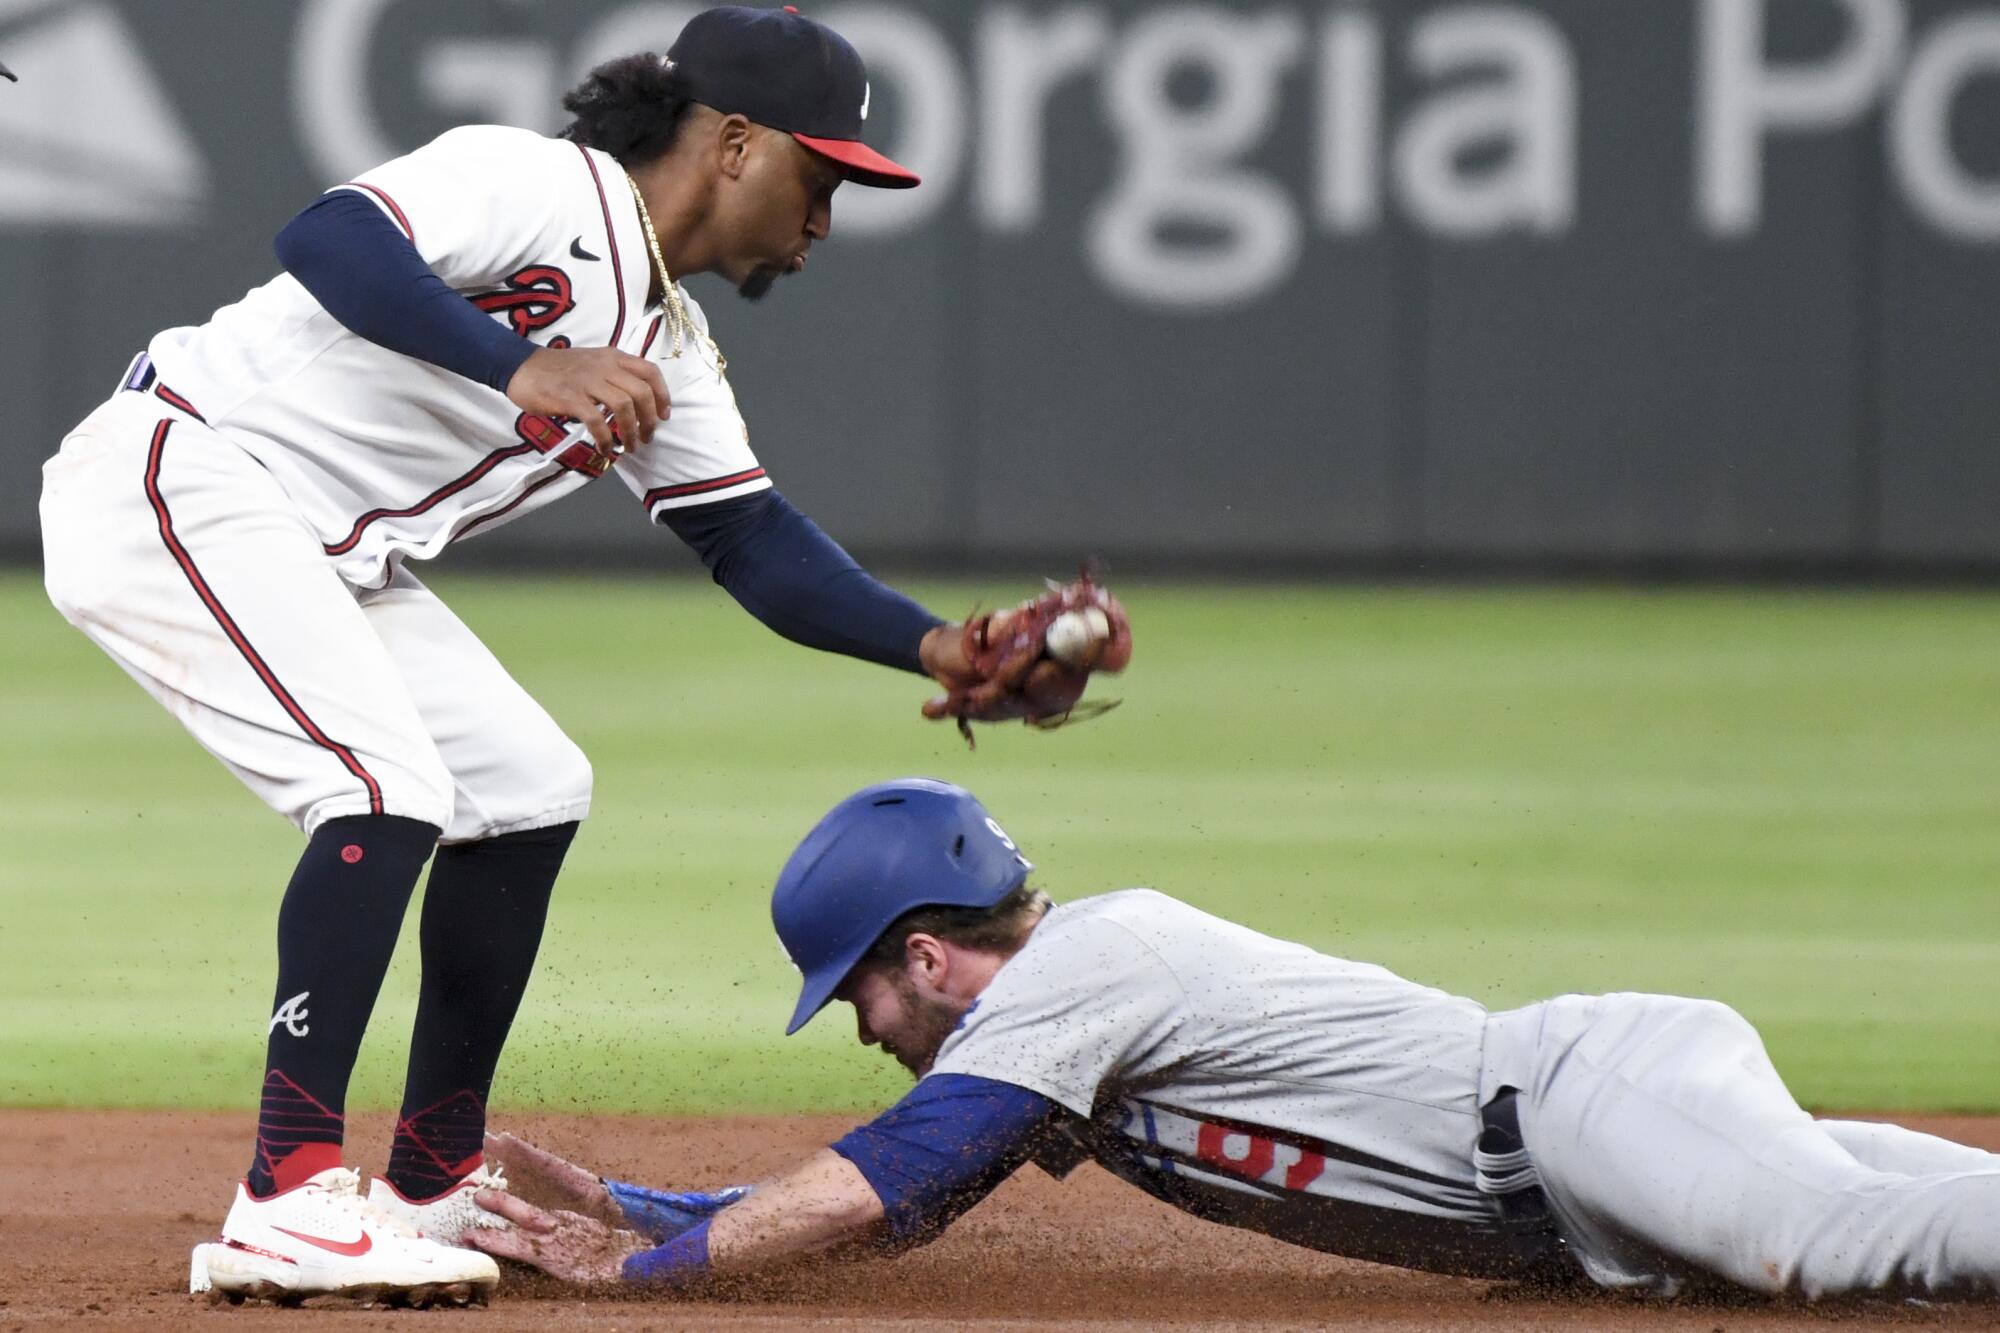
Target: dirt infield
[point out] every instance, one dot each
(99, 1210)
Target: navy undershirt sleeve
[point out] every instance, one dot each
(944, 1147)
(367, 275)
(797, 580)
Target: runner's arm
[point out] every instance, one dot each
(897, 1181)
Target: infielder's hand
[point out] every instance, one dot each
(549, 1180)
(943, 657)
(567, 1246)
(587, 383)
(1029, 663)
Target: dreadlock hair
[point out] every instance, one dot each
(1001, 928)
(631, 108)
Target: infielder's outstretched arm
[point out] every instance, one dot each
(798, 581)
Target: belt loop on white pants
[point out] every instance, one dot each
(139, 375)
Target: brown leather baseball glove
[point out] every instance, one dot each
(1033, 661)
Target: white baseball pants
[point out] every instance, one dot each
(183, 559)
(1671, 1152)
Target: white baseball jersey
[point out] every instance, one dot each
(388, 457)
(231, 526)
(1248, 1079)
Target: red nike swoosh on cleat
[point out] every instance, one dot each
(350, 1248)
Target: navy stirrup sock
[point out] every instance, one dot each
(336, 931)
(484, 908)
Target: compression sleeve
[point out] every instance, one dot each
(370, 277)
(679, 1261)
(944, 1147)
(663, 1214)
(797, 580)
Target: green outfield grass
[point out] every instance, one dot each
(1787, 801)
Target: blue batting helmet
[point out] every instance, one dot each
(886, 849)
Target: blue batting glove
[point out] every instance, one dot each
(661, 1215)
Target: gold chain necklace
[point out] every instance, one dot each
(670, 296)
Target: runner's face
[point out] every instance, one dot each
(783, 203)
(890, 1012)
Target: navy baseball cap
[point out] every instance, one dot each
(881, 852)
(782, 70)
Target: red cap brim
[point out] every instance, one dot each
(863, 165)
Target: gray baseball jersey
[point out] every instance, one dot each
(1336, 1105)
(1249, 1079)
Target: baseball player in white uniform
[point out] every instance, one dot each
(1643, 1142)
(461, 336)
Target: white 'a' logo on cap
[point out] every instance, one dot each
(867, 90)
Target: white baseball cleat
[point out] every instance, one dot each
(451, 1214)
(321, 1238)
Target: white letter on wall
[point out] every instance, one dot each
(1740, 98)
(1021, 60)
(905, 52)
(1532, 109)
(330, 101)
(1177, 162)
(1349, 191)
(1920, 128)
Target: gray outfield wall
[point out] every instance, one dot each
(1697, 281)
